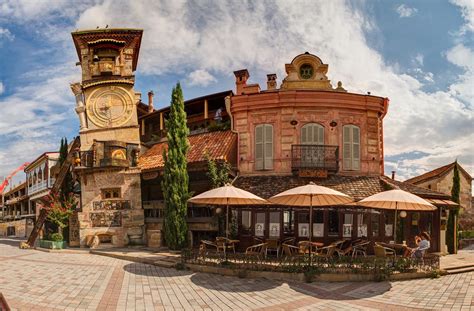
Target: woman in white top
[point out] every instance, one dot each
(423, 244)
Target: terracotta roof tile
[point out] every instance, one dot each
(419, 191)
(219, 145)
(436, 173)
(358, 187)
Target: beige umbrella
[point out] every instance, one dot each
(311, 195)
(227, 195)
(397, 200)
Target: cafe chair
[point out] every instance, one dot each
(205, 246)
(360, 249)
(344, 248)
(289, 250)
(327, 251)
(223, 244)
(382, 251)
(259, 250)
(289, 241)
(273, 245)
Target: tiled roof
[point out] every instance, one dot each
(218, 145)
(436, 173)
(419, 191)
(358, 187)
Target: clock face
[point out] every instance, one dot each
(110, 106)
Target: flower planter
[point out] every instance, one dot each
(52, 244)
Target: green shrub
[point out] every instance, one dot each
(57, 237)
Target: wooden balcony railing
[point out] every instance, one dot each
(315, 157)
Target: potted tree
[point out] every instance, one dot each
(59, 211)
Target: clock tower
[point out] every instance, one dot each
(106, 105)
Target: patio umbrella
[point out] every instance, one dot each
(397, 200)
(311, 195)
(227, 195)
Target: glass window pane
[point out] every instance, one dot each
(333, 223)
(362, 225)
(288, 222)
(246, 220)
(260, 224)
(389, 220)
(375, 224)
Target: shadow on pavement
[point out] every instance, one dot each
(11, 241)
(347, 291)
(232, 284)
(145, 269)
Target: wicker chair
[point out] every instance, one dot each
(224, 245)
(205, 246)
(259, 250)
(382, 251)
(273, 245)
(327, 251)
(290, 250)
(360, 249)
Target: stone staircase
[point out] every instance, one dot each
(459, 269)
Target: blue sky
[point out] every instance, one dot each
(417, 53)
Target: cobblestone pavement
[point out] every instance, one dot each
(33, 280)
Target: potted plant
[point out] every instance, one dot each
(59, 211)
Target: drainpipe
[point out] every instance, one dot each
(227, 107)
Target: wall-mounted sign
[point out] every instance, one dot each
(274, 230)
(388, 230)
(315, 173)
(259, 229)
(303, 230)
(150, 175)
(362, 231)
(318, 230)
(347, 230)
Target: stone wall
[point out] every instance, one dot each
(126, 225)
(22, 227)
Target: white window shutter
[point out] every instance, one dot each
(320, 134)
(355, 148)
(304, 135)
(268, 152)
(346, 147)
(259, 147)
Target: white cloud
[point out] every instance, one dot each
(405, 11)
(200, 77)
(2, 88)
(5, 33)
(467, 10)
(182, 37)
(418, 59)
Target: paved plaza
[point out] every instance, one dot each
(34, 280)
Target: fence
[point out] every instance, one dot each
(303, 264)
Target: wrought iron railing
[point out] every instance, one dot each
(315, 157)
(301, 263)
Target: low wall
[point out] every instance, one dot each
(21, 228)
(300, 277)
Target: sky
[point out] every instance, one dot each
(419, 54)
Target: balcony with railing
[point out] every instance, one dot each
(315, 157)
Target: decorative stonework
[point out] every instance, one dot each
(307, 71)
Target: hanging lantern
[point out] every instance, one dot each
(403, 214)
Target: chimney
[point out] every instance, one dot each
(393, 175)
(271, 81)
(150, 102)
(241, 77)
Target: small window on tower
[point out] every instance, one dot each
(113, 193)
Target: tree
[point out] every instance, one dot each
(219, 176)
(451, 229)
(68, 184)
(60, 209)
(175, 181)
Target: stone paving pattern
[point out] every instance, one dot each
(33, 280)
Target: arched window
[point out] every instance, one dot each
(264, 147)
(40, 175)
(34, 178)
(312, 134)
(351, 148)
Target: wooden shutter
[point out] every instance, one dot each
(268, 151)
(259, 147)
(351, 147)
(346, 147)
(355, 148)
(312, 134)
